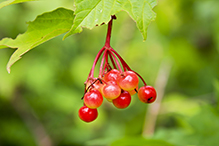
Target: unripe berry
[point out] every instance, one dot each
(147, 94)
(111, 90)
(128, 80)
(87, 114)
(123, 100)
(93, 99)
(109, 100)
(87, 86)
(132, 92)
(98, 86)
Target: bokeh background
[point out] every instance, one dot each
(40, 98)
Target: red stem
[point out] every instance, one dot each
(126, 66)
(108, 36)
(107, 45)
(91, 74)
(102, 62)
(106, 65)
(112, 60)
(140, 78)
(117, 62)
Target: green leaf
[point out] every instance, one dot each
(10, 2)
(42, 29)
(95, 12)
(139, 141)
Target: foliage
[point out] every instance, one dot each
(95, 12)
(10, 2)
(45, 27)
(89, 13)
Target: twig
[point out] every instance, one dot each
(153, 109)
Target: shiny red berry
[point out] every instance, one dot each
(147, 94)
(112, 75)
(128, 80)
(87, 114)
(111, 90)
(123, 100)
(93, 99)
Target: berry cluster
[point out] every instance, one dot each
(116, 82)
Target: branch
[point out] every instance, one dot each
(153, 109)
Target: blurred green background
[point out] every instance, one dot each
(39, 100)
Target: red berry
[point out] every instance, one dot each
(147, 94)
(93, 99)
(128, 81)
(87, 114)
(111, 90)
(123, 100)
(112, 75)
